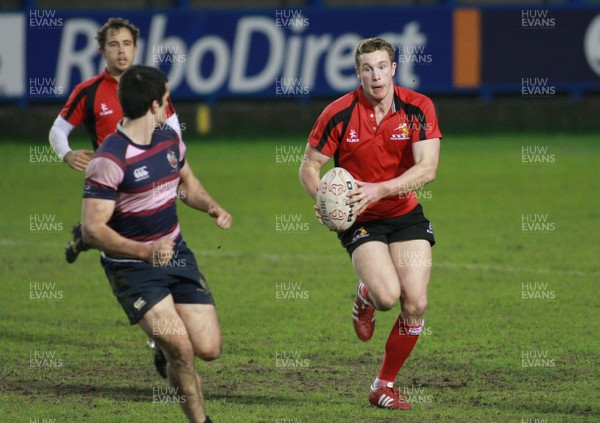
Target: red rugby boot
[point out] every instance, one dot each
(388, 397)
(363, 315)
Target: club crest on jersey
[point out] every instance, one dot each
(172, 158)
(353, 136)
(403, 135)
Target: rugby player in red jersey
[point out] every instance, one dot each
(95, 103)
(387, 137)
(129, 213)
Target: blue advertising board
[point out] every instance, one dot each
(236, 54)
(275, 53)
(550, 47)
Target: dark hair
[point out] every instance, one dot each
(370, 45)
(116, 24)
(139, 86)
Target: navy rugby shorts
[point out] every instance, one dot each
(139, 285)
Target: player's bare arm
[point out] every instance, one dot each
(426, 154)
(192, 192)
(96, 214)
(310, 170)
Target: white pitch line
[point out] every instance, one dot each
(443, 264)
(511, 269)
(278, 256)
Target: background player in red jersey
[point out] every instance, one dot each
(95, 103)
(387, 137)
(152, 272)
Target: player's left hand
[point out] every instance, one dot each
(222, 217)
(365, 194)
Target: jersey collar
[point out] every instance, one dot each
(396, 102)
(108, 77)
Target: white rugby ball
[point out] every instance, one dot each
(332, 196)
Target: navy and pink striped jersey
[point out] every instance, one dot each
(142, 180)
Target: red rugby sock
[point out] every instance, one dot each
(398, 347)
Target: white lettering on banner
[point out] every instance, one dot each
(315, 46)
(69, 58)
(220, 51)
(295, 55)
(239, 82)
(157, 32)
(410, 37)
(340, 57)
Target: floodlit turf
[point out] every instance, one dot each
(511, 331)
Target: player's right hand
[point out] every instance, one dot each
(78, 159)
(162, 252)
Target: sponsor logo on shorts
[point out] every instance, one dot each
(359, 233)
(430, 229)
(139, 303)
(203, 283)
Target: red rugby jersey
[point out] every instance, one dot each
(95, 102)
(347, 130)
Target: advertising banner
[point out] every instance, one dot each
(236, 54)
(275, 53)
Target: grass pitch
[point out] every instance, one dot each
(511, 332)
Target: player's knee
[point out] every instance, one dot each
(209, 350)
(415, 307)
(386, 301)
(209, 353)
(180, 353)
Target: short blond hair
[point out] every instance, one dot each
(369, 45)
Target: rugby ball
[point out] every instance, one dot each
(332, 197)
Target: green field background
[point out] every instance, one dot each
(494, 349)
